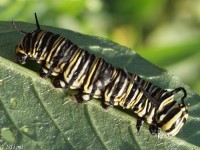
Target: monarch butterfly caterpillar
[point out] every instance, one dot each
(72, 67)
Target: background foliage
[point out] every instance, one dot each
(166, 32)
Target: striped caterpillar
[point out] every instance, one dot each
(72, 67)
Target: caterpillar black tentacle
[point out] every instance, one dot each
(72, 67)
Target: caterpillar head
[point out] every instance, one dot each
(172, 115)
(23, 49)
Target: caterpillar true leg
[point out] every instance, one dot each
(58, 82)
(154, 129)
(139, 123)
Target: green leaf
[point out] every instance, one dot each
(35, 115)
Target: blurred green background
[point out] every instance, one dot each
(165, 32)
